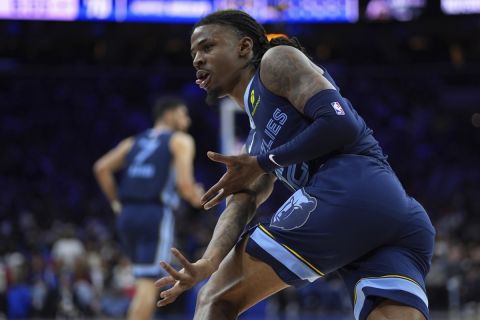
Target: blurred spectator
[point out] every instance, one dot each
(68, 249)
(19, 293)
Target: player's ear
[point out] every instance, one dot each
(245, 46)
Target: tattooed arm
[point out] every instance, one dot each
(241, 208)
(287, 72)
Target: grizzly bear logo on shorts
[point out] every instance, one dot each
(295, 211)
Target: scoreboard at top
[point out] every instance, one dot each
(265, 11)
(181, 11)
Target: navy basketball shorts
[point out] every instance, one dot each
(353, 218)
(146, 232)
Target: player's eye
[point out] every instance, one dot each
(208, 47)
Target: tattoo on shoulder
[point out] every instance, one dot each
(291, 75)
(280, 72)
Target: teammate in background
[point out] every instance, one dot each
(348, 212)
(157, 165)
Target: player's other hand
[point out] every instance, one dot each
(242, 171)
(182, 280)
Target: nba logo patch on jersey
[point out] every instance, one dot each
(338, 108)
(295, 211)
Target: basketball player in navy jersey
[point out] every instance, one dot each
(348, 212)
(156, 164)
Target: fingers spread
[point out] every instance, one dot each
(171, 270)
(215, 200)
(185, 263)
(182, 279)
(166, 301)
(170, 295)
(218, 157)
(164, 281)
(215, 189)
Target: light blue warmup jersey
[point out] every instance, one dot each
(348, 212)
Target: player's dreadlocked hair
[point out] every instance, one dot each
(245, 25)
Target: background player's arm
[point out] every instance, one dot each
(241, 208)
(182, 147)
(105, 167)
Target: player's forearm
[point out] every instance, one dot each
(333, 128)
(107, 184)
(241, 208)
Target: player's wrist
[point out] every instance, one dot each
(266, 163)
(209, 267)
(116, 206)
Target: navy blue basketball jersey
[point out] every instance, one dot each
(274, 121)
(349, 213)
(149, 175)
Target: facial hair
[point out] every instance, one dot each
(214, 95)
(213, 98)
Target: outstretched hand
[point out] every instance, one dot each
(242, 170)
(182, 280)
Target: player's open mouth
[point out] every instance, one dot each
(203, 79)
